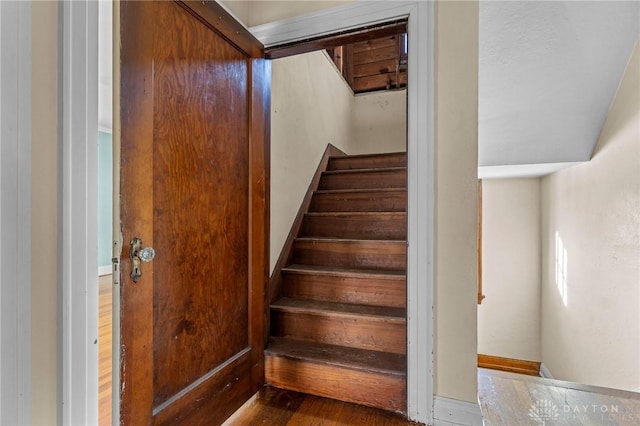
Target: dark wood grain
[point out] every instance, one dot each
(364, 179)
(361, 327)
(201, 190)
(382, 390)
(194, 185)
(368, 161)
(272, 406)
(136, 210)
(358, 225)
(343, 314)
(359, 254)
(379, 288)
(363, 200)
(340, 39)
(353, 358)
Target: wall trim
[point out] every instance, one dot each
(105, 270)
(15, 213)
(420, 166)
(329, 21)
(447, 411)
(512, 365)
(544, 371)
(78, 227)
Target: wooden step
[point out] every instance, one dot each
(356, 326)
(368, 161)
(371, 378)
(364, 287)
(395, 177)
(351, 253)
(364, 200)
(357, 225)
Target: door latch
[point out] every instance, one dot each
(137, 254)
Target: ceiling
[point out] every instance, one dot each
(548, 74)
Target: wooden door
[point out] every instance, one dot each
(194, 186)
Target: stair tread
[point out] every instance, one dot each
(357, 190)
(373, 155)
(369, 170)
(354, 358)
(349, 240)
(335, 308)
(336, 270)
(356, 213)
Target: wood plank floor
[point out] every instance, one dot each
(273, 406)
(514, 399)
(104, 350)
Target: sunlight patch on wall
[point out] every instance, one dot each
(561, 268)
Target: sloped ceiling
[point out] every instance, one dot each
(548, 74)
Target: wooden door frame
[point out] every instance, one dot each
(420, 166)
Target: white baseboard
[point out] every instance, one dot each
(447, 412)
(105, 270)
(544, 372)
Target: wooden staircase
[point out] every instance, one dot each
(338, 319)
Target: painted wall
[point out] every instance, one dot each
(591, 254)
(456, 203)
(310, 107)
(509, 316)
(380, 122)
(256, 12)
(105, 195)
(44, 212)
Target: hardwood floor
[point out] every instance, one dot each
(277, 407)
(104, 351)
(514, 399)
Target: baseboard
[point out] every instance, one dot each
(104, 270)
(544, 372)
(447, 412)
(531, 368)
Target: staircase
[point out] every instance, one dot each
(338, 327)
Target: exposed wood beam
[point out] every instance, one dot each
(338, 39)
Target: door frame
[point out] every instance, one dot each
(15, 213)
(420, 165)
(78, 204)
(79, 45)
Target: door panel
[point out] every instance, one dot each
(194, 185)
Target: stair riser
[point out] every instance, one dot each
(335, 329)
(364, 255)
(368, 162)
(376, 227)
(387, 392)
(389, 292)
(392, 201)
(364, 180)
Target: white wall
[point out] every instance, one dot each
(509, 316)
(456, 201)
(310, 107)
(256, 12)
(380, 122)
(592, 335)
